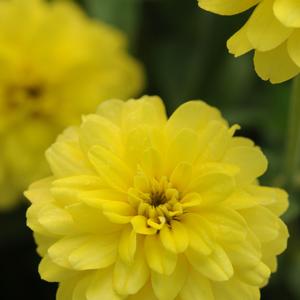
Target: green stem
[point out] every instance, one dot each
(293, 134)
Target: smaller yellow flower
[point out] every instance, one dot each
(55, 64)
(140, 206)
(273, 31)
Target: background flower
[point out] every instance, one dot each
(273, 31)
(55, 64)
(139, 206)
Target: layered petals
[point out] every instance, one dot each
(272, 31)
(141, 207)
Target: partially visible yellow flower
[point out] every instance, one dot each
(144, 207)
(55, 64)
(273, 31)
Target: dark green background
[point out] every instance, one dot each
(184, 54)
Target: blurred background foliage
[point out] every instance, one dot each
(183, 51)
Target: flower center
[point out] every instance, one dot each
(18, 96)
(156, 200)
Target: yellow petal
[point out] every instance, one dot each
(201, 238)
(66, 289)
(191, 200)
(213, 187)
(245, 255)
(274, 199)
(148, 111)
(96, 130)
(91, 220)
(288, 12)
(175, 238)
(168, 287)
(66, 159)
(127, 244)
(227, 7)
(194, 115)
(250, 160)
(101, 286)
(151, 162)
(118, 212)
(56, 220)
(81, 287)
(277, 245)
(262, 222)
(239, 43)
(181, 176)
(264, 30)
(227, 224)
(146, 293)
(256, 276)
(40, 190)
(110, 167)
(275, 65)
(111, 110)
(215, 266)
(128, 279)
(84, 252)
(159, 259)
(293, 47)
(213, 142)
(51, 272)
(183, 148)
(235, 290)
(197, 287)
(140, 225)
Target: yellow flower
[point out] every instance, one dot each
(144, 207)
(55, 63)
(273, 31)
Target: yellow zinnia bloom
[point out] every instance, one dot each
(144, 207)
(273, 31)
(55, 63)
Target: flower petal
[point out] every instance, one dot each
(128, 279)
(194, 115)
(234, 289)
(227, 7)
(101, 286)
(159, 259)
(239, 43)
(127, 244)
(110, 167)
(250, 160)
(175, 238)
(52, 272)
(216, 266)
(293, 47)
(275, 65)
(264, 30)
(168, 287)
(196, 287)
(287, 12)
(84, 252)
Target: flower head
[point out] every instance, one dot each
(55, 64)
(144, 207)
(273, 31)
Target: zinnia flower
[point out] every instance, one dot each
(142, 207)
(55, 63)
(273, 31)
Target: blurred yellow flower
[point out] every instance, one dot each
(273, 31)
(141, 207)
(55, 64)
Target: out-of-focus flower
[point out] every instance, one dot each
(55, 64)
(273, 31)
(141, 207)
